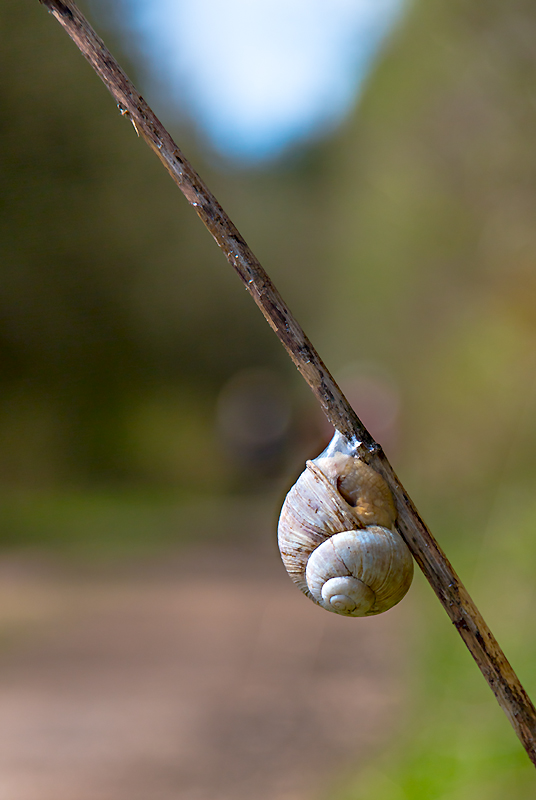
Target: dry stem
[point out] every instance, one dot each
(431, 559)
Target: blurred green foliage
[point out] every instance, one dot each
(434, 222)
(120, 319)
(406, 242)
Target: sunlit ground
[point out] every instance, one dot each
(188, 671)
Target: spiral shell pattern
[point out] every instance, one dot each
(337, 539)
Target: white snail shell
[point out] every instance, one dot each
(337, 538)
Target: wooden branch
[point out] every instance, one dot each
(429, 556)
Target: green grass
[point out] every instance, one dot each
(455, 743)
(449, 759)
(101, 524)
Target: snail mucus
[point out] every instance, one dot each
(337, 536)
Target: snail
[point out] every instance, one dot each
(337, 537)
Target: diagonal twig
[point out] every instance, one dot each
(436, 567)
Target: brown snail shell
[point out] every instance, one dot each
(337, 538)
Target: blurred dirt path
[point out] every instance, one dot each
(206, 676)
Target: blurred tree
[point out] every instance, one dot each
(120, 320)
(432, 224)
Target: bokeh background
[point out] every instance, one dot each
(150, 422)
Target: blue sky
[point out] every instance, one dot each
(259, 76)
